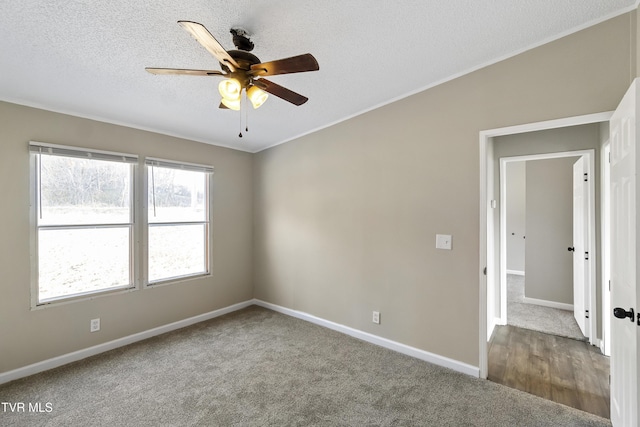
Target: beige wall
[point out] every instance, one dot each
(516, 189)
(345, 218)
(28, 336)
(549, 219)
(634, 18)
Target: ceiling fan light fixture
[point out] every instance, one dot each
(257, 96)
(230, 89)
(242, 69)
(232, 104)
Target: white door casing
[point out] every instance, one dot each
(489, 248)
(605, 342)
(625, 333)
(580, 247)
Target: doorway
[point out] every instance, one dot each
(538, 195)
(489, 274)
(493, 293)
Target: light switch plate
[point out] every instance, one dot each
(443, 241)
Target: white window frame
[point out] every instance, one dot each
(195, 167)
(37, 148)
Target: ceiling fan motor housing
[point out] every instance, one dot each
(245, 60)
(241, 39)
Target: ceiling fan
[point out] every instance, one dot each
(243, 70)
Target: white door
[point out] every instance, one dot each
(580, 230)
(625, 333)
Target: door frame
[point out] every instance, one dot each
(488, 280)
(590, 289)
(605, 245)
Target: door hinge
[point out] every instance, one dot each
(638, 319)
(586, 314)
(586, 177)
(609, 285)
(485, 271)
(586, 256)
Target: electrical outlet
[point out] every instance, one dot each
(376, 317)
(95, 325)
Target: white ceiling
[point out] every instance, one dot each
(87, 58)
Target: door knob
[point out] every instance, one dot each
(571, 249)
(621, 313)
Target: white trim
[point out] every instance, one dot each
(120, 342)
(175, 164)
(77, 149)
(124, 123)
(502, 237)
(605, 238)
(485, 257)
(547, 303)
(515, 272)
(547, 124)
(592, 300)
(485, 250)
(374, 339)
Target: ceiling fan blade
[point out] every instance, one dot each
(295, 64)
(173, 71)
(204, 37)
(280, 91)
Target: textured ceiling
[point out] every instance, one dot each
(87, 58)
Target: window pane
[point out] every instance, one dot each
(177, 250)
(83, 191)
(82, 260)
(176, 195)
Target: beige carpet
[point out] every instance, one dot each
(256, 367)
(538, 318)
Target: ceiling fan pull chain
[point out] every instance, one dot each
(240, 134)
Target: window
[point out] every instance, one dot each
(84, 221)
(178, 219)
(85, 227)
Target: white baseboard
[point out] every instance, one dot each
(545, 303)
(374, 339)
(64, 359)
(516, 272)
(120, 342)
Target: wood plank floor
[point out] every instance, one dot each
(563, 370)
